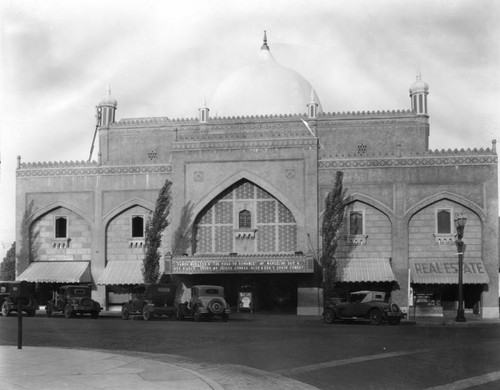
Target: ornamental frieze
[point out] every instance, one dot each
(406, 162)
(35, 170)
(247, 144)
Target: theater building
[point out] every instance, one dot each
(253, 179)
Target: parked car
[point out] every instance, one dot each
(150, 300)
(72, 300)
(367, 305)
(205, 302)
(10, 299)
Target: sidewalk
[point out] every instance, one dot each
(59, 369)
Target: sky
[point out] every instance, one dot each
(162, 58)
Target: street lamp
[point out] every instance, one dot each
(460, 221)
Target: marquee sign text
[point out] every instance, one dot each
(233, 266)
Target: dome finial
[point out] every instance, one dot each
(264, 43)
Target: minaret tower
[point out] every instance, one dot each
(264, 43)
(418, 95)
(312, 107)
(203, 112)
(106, 109)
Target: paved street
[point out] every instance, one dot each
(430, 354)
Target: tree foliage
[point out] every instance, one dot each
(8, 265)
(29, 243)
(331, 231)
(183, 234)
(154, 230)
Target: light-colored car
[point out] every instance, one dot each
(366, 305)
(206, 302)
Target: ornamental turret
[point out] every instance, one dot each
(418, 95)
(106, 109)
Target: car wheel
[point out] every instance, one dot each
(125, 313)
(68, 311)
(197, 315)
(31, 313)
(225, 318)
(146, 313)
(5, 309)
(375, 317)
(329, 316)
(94, 314)
(216, 306)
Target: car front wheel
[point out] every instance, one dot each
(197, 315)
(68, 311)
(5, 309)
(329, 316)
(146, 313)
(125, 313)
(375, 317)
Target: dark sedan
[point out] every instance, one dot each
(365, 305)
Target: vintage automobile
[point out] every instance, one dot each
(206, 302)
(150, 300)
(367, 305)
(72, 300)
(14, 293)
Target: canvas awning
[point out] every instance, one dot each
(364, 270)
(445, 271)
(57, 272)
(124, 272)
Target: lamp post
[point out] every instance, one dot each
(460, 221)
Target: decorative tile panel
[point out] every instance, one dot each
(223, 239)
(287, 238)
(224, 212)
(245, 191)
(266, 238)
(284, 215)
(204, 239)
(266, 211)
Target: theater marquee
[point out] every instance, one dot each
(298, 264)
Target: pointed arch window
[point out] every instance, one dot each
(444, 221)
(356, 223)
(61, 227)
(245, 219)
(137, 226)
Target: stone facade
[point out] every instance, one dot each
(256, 186)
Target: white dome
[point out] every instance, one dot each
(263, 88)
(108, 100)
(419, 85)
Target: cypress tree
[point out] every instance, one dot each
(331, 232)
(154, 230)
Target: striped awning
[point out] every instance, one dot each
(57, 272)
(364, 270)
(124, 272)
(445, 271)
